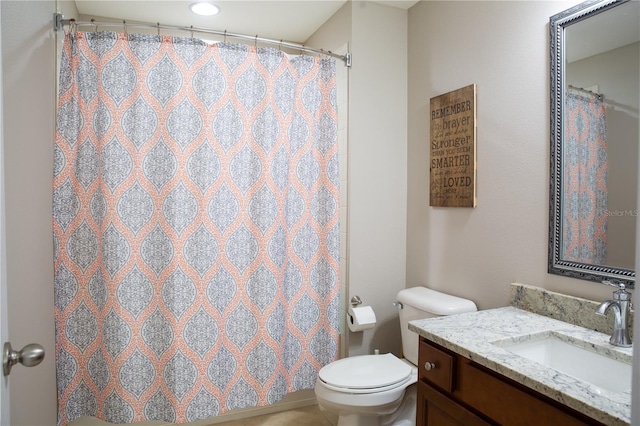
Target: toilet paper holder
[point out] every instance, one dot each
(359, 316)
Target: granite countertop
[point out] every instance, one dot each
(471, 335)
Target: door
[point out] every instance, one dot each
(4, 396)
(28, 121)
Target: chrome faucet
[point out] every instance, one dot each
(621, 305)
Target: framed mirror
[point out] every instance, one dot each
(595, 101)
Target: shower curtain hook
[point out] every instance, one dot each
(95, 26)
(192, 31)
(255, 42)
(225, 36)
(158, 29)
(124, 24)
(280, 45)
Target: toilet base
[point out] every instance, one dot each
(404, 415)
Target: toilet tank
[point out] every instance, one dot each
(420, 303)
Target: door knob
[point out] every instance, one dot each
(31, 355)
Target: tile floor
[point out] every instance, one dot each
(305, 416)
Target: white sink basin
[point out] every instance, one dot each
(573, 357)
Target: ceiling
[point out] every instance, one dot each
(287, 20)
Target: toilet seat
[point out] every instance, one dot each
(365, 374)
(369, 391)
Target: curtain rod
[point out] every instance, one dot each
(59, 23)
(600, 96)
(607, 102)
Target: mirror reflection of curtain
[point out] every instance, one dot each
(584, 228)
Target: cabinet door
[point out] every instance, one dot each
(435, 409)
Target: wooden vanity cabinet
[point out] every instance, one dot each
(453, 390)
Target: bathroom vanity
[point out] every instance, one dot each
(472, 371)
(463, 392)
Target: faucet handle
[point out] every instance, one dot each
(622, 294)
(617, 284)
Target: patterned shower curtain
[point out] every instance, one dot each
(586, 194)
(195, 223)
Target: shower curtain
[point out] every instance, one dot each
(585, 201)
(195, 224)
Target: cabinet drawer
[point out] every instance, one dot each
(436, 366)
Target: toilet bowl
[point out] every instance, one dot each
(366, 389)
(380, 390)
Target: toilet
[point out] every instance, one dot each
(371, 390)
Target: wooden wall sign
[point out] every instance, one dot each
(453, 149)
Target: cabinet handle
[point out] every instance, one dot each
(429, 366)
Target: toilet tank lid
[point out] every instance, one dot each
(435, 302)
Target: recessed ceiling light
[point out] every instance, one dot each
(204, 8)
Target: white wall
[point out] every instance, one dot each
(502, 47)
(635, 383)
(28, 115)
(377, 37)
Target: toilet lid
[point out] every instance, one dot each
(365, 372)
